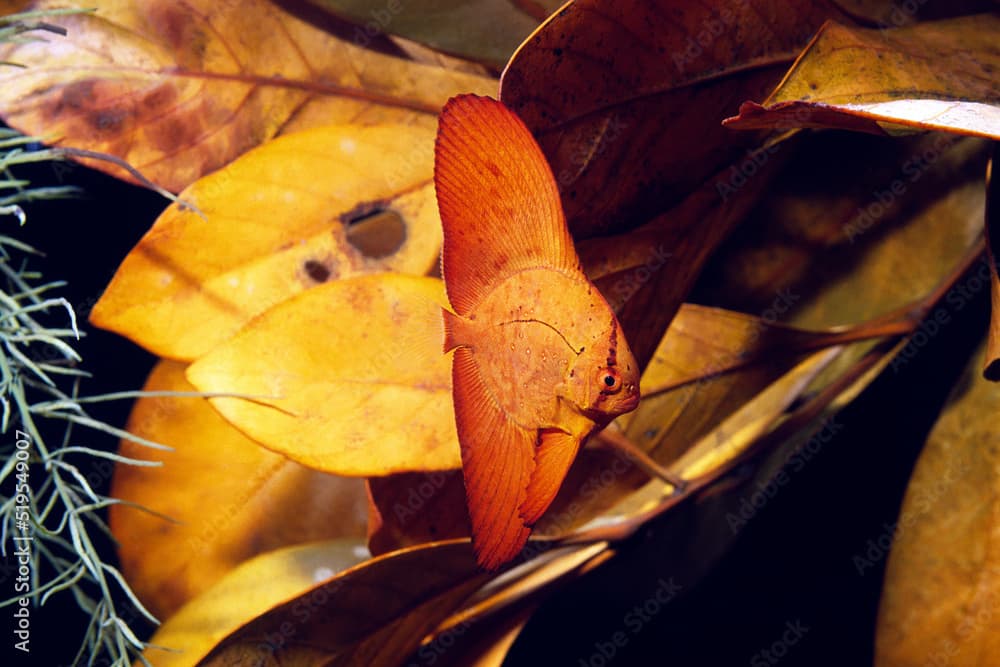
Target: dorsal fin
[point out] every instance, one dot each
(499, 203)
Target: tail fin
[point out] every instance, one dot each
(452, 325)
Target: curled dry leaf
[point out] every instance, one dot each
(277, 224)
(930, 76)
(487, 31)
(179, 89)
(348, 377)
(251, 589)
(227, 498)
(374, 614)
(608, 83)
(942, 582)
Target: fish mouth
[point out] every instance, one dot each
(631, 403)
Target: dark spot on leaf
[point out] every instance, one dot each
(557, 52)
(317, 271)
(108, 120)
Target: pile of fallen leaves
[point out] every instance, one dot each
(318, 514)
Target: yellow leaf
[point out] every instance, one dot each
(372, 615)
(179, 89)
(249, 590)
(931, 76)
(348, 377)
(942, 581)
(229, 498)
(275, 226)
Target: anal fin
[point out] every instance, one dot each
(556, 452)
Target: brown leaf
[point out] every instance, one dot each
(179, 89)
(991, 369)
(414, 508)
(348, 377)
(277, 223)
(228, 499)
(931, 76)
(646, 273)
(374, 614)
(942, 581)
(626, 97)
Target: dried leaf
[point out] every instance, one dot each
(942, 580)
(646, 274)
(487, 31)
(228, 498)
(414, 508)
(179, 89)
(348, 377)
(252, 589)
(603, 84)
(931, 76)
(276, 225)
(375, 614)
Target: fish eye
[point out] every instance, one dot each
(611, 381)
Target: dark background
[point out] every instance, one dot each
(792, 563)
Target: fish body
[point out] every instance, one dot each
(539, 358)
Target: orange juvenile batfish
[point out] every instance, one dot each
(540, 360)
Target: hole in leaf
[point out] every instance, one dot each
(317, 271)
(375, 231)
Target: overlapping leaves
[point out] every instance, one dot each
(329, 355)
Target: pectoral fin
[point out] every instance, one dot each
(497, 464)
(553, 457)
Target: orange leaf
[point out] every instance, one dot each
(276, 223)
(931, 76)
(348, 377)
(179, 89)
(229, 498)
